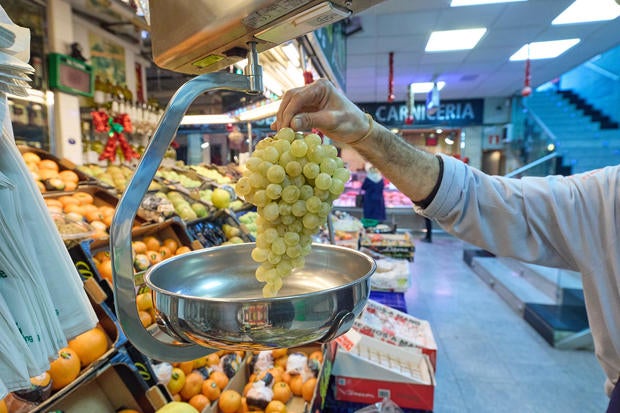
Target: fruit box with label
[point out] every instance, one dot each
(109, 389)
(296, 404)
(373, 370)
(395, 327)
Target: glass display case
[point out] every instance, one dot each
(394, 199)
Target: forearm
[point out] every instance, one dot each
(413, 171)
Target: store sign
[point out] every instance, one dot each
(450, 113)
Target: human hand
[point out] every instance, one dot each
(320, 105)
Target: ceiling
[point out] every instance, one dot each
(403, 27)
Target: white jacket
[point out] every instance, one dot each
(563, 222)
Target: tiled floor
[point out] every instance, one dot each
(489, 359)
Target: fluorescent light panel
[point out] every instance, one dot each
(425, 87)
(584, 11)
(544, 50)
(458, 3)
(447, 40)
(206, 119)
(260, 112)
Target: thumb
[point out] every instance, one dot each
(305, 121)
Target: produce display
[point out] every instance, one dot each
(116, 176)
(211, 174)
(182, 179)
(188, 211)
(292, 179)
(71, 210)
(249, 221)
(47, 174)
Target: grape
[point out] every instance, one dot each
(286, 134)
(299, 148)
(293, 168)
(292, 179)
(276, 174)
(311, 170)
(323, 181)
(290, 194)
(313, 204)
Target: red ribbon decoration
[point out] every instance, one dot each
(391, 79)
(125, 122)
(308, 78)
(100, 121)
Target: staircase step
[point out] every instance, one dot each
(555, 322)
(509, 284)
(543, 278)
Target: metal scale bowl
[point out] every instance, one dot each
(209, 299)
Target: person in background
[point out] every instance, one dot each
(374, 202)
(429, 230)
(563, 222)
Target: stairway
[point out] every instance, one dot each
(586, 139)
(548, 299)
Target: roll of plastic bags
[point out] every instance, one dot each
(74, 311)
(13, 354)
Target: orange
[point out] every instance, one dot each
(153, 256)
(176, 397)
(199, 401)
(90, 345)
(48, 164)
(89, 208)
(317, 355)
(296, 383)
(102, 256)
(282, 392)
(53, 202)
(281, 361)
(210, 389)
(247, 387)
(139, 247)
(182, 250)
(177, 381)
(106, 210)
(186, 366)
(41, 380)
(275, 406)
(152, 243)
(200, 362)
(65, 368)
(229, 401)
(127, 411)
(220, 378)
(105, 270)
(279, 352)
(213, 359)
(145, 318)
(244, 406)
(68, 176)
(171, 244)
(307, 390)
(277, 373)
(68, 199)
(70, 186)
(3, 408)
(94, 215)
(107, 220)
(84, 198)
(73, 208)
(193, 385)
(286, 377)
(165, 252)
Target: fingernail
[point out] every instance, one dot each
(273, 126)
(296, 123)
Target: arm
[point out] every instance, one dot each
(321, 106)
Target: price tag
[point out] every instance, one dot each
(349, 340)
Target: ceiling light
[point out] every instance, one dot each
(584, 11)
(290, 50)
(260, 112)
(439, 131)
(448, 141)
(425, 87)
(206, 119)
(443, 41)
(544, 50)
(458, 3)
(204, 145)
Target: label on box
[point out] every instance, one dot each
(349, 340)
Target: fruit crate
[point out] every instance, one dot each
(209, 231)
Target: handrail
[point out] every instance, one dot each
(531, 164)
(539, 121)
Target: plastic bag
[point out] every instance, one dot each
(384, 406)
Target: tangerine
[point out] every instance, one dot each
(200, 362)
(182, 250)
(83, 197)
(279, 352)
(193, 385)
(3, 408)
(220, 378)
(281, 362)
(186, 366)
(213, 359)
(171, 243)
(307, 391)
(317, 355)
(296, 383)
(139, 247)
(90, 345)
(229, 401)
(211, 389)
(145, 318)
(105, 270)
(65, 368)
(68, 175)
(282, 392)
(275, 406)
(165, 252)
(153, 256)
(152, 243)
(199, 401)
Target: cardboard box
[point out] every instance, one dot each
(113, 387)
(395, 327)
(373, 370)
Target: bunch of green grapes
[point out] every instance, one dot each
(293, 180)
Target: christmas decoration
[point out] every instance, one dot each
(391, 79)
(527, 89)
(410, 106)
(114, 126)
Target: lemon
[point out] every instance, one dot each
(178, 407)
(220, 198)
